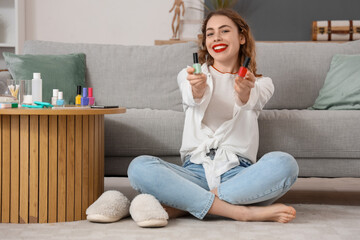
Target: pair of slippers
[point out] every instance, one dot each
(112, 206)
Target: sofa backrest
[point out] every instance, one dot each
(145, 76)
(129, 76)
(298, 69)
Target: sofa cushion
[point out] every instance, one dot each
(310, 134)
(298, 69)
(144, 131)
(302, 133)
(341, 89)
(63, 72)
(329, 167)
(130, 76)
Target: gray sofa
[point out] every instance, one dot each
(143, 79)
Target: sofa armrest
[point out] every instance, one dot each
(4, 75)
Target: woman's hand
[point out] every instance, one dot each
(197, 82)
(244, 85)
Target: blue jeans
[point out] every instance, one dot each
(185, 187)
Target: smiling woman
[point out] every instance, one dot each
(220, 174)
(234, 25)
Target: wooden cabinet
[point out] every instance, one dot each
(51, 163)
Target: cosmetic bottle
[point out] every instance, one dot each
(84, 99)
(196, 64)
(60, 100)
(78, 96)
(91, 98)
(243, 69)
(55, 96)
(36, 87)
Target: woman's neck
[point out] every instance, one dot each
(227, 67)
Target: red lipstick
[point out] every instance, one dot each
(221, 49)
(243, 68)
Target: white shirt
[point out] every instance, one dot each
(237, 136)
(222, 103)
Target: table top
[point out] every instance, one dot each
(65, 111)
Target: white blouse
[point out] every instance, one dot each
(222, 103)
(238, 135)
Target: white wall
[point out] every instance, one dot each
(134, 22)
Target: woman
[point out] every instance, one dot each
(219, 175)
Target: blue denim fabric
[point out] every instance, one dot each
(185, 187)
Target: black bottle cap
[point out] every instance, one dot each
(246, 61)
(78, 90)
(195, 56)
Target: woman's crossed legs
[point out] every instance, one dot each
(246, 192)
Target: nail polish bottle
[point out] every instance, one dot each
(84, 99)
(243, 69)
(78, 96)
(60, 100)
(55, 96)
(196, 64)
(91, 98)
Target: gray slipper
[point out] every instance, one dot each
(147, 211)
(111, 206)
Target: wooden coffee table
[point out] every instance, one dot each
(51, 163)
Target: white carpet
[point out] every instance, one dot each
(312, 222)
(324, 222)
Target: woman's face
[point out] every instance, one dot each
(223, 39)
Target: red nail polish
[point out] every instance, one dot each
(243, 69)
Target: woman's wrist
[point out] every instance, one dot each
(197, 94)
(244, 98)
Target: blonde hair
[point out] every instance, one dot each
(248, 49)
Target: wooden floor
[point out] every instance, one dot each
(332, 191)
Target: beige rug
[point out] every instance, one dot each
(314, 221)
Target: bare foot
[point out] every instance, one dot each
(276, 213)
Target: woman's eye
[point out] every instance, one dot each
(225, 31)
(209, 34)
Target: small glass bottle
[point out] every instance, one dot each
(84, 99)
(78, 96)
(55, 96)
(243, 69)
(60, 100)
(196, 64)
(91, 98)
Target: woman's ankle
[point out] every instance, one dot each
(242, 213)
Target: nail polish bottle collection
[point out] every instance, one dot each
(86, 99)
